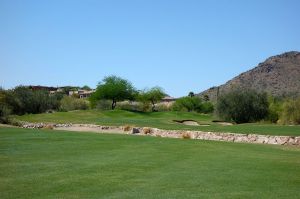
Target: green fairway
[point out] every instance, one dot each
(163, 120)
(52, 164)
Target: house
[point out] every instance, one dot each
(82, 93)
(47, 88)
(168, 99)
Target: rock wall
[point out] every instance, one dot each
(216, 136)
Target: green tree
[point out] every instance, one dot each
(153, 96)
(206, 98)
(86, 87)
(242, 106)
(113, 88)
(191, 94)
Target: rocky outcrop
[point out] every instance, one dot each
(148, 131)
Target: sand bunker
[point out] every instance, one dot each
(223, 123)
(190, 123)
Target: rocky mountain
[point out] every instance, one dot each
(278, 75)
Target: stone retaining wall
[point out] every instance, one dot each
(216, 136)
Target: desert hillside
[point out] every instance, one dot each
(278, 75)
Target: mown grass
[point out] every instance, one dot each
(51, 164)
(163, 120)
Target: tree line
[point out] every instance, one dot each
(238, 106)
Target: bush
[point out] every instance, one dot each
(127, 128)
(147, 130)
(162, 107)
(207, 107)
(144, 106)
(103, 105)
(186, 135)
(187, 104)
(4, 113)
(290, 112)
(274, 109)
(128, 106)
(192, 104)
(23, 100)
(70, 103)
(242, 106)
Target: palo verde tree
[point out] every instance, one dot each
(153, 96)
(113, 88)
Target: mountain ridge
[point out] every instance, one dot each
(278, 75)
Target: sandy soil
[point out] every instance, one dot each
(89, 129)
(193, 123)
(224, 123)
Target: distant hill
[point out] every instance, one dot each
(278, 75)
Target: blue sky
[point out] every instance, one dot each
(181, 46)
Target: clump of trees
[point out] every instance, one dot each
(243, 106)
(116, 89)
(22, 100)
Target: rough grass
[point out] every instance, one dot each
(38, 164)
(163, 120)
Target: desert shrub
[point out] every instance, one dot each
(4, 109)
(192, 104)
(23, 100)
(4, 113)
(144, 106)
(290, 112)
(14, 122)
(161, 107)
(127, 128)
(103, 105)
(48, 126)
(207, 107)
(187, 104)
(186, 135)
(70, 103)
(147, 130)
(242, 106)
(128, 106)
(274, 109)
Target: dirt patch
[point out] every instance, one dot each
(88, 129)
(190, 123)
